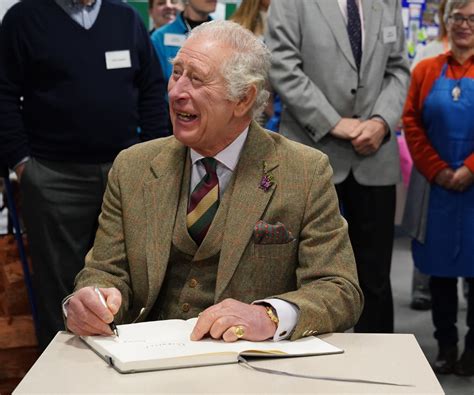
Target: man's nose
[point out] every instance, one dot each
(178, 89)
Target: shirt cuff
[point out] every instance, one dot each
(287, 317)
(24, 160)
(65, 304)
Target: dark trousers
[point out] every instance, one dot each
(370, 213)
(444, 299)
(61, 203)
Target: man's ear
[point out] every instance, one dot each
(246, 102)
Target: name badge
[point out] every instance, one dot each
(174, 40)
(118, 60)
(389, 34)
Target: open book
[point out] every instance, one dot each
(159, 345)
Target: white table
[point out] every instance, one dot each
(68, 366)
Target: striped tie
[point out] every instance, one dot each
(203, 202)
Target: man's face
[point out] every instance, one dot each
(203, 6)
(202, 116)
(164, 11)
(460, 31)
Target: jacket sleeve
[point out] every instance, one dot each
(426, 159)
(107, 263)
(152, 104)
(13, 61)
(328, 294)
(389, 103)
(301, 95)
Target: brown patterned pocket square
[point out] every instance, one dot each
(264, 233)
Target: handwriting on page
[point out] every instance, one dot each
(151, 344)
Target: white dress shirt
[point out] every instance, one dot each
(227, 161)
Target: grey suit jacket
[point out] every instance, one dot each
(314, 72)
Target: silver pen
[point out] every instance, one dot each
(112, 325)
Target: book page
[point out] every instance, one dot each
(168, 339)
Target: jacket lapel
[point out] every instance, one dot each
(372, 20)
(161, 204)
(248, 202)
(331, 11)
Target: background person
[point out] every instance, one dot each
(82, 104)
(342, 72)
(438, 121)
(170, 38)
(163, 12)
(221, 215)
(420, 294)
(252, 14)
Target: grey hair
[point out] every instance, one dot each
(451, 5)
(247, 65)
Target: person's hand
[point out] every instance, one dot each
(462, 179)
(444, 178)
(221, 320)
(19, 171)
(346, 129)
(87, 316)
(370, 135)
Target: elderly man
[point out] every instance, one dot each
(341, 69)
(223, 220)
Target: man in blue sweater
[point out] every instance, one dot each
(91, 86)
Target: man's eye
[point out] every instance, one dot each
(196, 78)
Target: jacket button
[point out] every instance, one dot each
(185, 307)
(353, 91)
(193, 283)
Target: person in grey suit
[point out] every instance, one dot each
(342, 72)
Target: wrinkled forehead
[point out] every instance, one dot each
(203, 51)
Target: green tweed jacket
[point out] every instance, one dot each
(316, 271)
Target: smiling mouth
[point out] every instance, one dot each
(184, 116)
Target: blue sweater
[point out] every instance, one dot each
(74, 108)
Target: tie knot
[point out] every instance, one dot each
(210, 165)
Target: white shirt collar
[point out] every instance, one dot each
(230, 155)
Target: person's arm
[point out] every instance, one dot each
(13, 138)
(328, 294)
(391, 99)
(426, 159)
(107, 263)
(152, 105)
(302, 96)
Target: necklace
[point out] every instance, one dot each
(456, 91)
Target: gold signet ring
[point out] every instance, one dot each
(239, 331)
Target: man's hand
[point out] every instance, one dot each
(370, 135)
(87, 316)
(220, 321)
(19, 171)
(462, 179)
(346, 129)
(444, 178)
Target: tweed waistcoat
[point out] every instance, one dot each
(190, 281)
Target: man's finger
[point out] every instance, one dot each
(230, 336)
(113, 298)
(81, 320)
(221, 325)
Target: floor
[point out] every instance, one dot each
(419, 322)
